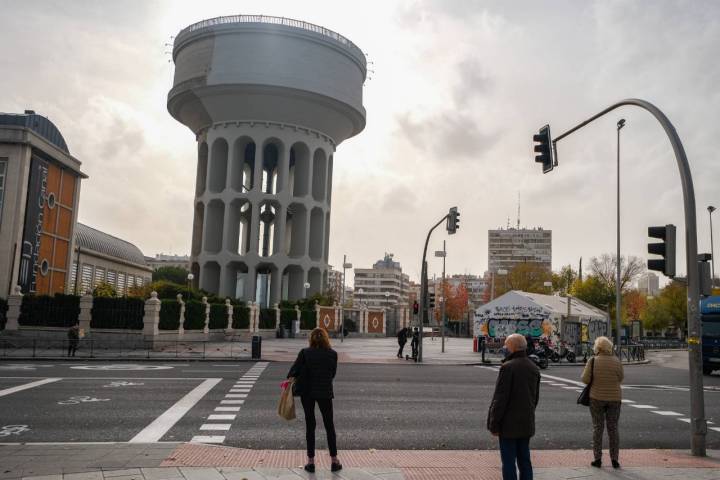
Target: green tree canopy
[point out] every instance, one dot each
(171, 274)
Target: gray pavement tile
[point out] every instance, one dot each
(96, 475)
(128, 477)
(240, 474)
(44, 477)
(320, 474)
(279, 474)
(122, 473)
(391, 476)
(161, 473)
(201, 473)
(362, 473)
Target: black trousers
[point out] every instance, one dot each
(402, 347)
(72, 347)
(326, 410)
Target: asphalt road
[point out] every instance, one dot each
(377, 406)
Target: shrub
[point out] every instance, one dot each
(194, 315)
(43, 310)
(169, 314)
(218, 316)
(121, 313)
(104, 289)
(287, 316)
(267, 319)
(241, 318)
(308, 319)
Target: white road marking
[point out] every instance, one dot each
(208, 439)
(239, 390)
(161, 425)
(236, 395)
(20, 388)
(625, 400)
(232, 402)
(122, 367)
(667, 413)
(216, 426)
(561, 379)
(227, 409)
(645, 407)
(546, 381)
(221, 417)
(686, 420)
(570, 388)
(558, 384)
(715, 429)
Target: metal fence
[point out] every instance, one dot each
(631, 353)
(661, 343)
(237, 348)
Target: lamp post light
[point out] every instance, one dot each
(346, 265)
(190, 278)
(442, 253)
(711, 209)
(618, 296)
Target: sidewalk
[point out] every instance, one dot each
(172, 461)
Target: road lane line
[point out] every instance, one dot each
(27, 386)
(216, 426)
(208, 439)
(160, 426)
(239, 390)
(561, 379)
(232, 402)
(625, 400)
(645, 407)
(222, 417)
(227, 409)
(667, 413)
(236, 395)
(686, 420)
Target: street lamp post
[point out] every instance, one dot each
(711, 209)
(346, 265)
(442, 253)
(190, 278)
(618, 298)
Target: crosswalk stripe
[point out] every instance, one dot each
(208, 439)
(232, 402)
(227, 409)
(221, 417)
(216, 426)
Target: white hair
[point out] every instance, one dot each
(516, 342)
(602, 345)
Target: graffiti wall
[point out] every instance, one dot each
(503, 328)
(327, 319)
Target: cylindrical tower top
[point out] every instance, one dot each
(268, 69)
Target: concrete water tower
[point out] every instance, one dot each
(269, 99)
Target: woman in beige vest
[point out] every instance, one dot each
(606, 372)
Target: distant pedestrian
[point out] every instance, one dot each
(605, 371)
(482, 346)
(402, 340)
(530, 349)
(73, 335)
(512, 409)
(415, 343)
(314, 371)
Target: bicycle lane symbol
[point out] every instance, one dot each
(81, 399)
(8, 430)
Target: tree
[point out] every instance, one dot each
(528, 277)
(592, 290)
(634, 304)
(104, 289)
(171, 274)
(669, 309)
(564, 280)
(457, 302)
(605, 269)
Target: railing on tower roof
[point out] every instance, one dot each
(288, 22)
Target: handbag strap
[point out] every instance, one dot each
(592, 370)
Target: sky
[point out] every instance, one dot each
(455, 92)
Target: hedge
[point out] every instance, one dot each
(194, 315)
(119, 313)
(169, 315)
(241, 318)
(218, 316)
(267, 319)
(287, 316)
(308, 319)
(3, 313)
(43, 310)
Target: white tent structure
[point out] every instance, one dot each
(540, 315)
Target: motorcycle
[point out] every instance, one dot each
(563, 352)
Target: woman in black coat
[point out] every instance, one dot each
(314, 371)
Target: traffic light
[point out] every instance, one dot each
(431, 299)
(416, 307)
(544, 148)
(453, 220)
(665, 250)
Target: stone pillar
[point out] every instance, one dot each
(206, 328)
(229, 330)
(297, 316)
(364, 319)
(14, 302)
(151, 319)
(254, 317)
(277, 316)
(86, 304)
(384, 321)
(181, 325)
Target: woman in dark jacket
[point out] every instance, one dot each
(314, 371)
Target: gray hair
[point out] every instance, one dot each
(603, 345)
(517, 342)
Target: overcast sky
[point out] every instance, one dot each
(458, 89)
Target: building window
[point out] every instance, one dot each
(121, 284)
(3, 175)
(99, 276)
(86, 276)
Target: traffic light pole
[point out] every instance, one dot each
(424, 288)
(697, 404)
